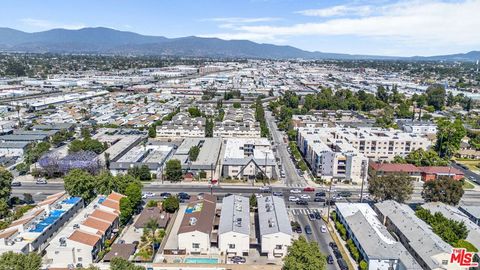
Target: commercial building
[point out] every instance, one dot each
(417, 127)
(456, 214)
(472, 212)
(234, 228)
(13, 149)
(207, 159)
(182, 125)
(275, 230)
(434, 172)
(332, 158)
(375, 143)
(382, 169)
(248, 158)
(153, 156)
(195, 233)
(427, 248)
(372, 239)
(80, 241)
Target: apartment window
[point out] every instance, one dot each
(278, 247)
(231, 246)
(444, 262)
(195, 245)
(80, 259)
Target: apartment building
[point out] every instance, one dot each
(13, 149)
(247, 158)
(275, 230)
(427, 248)
(331, 158)
(234, 227)
(207, 159)
(375, 143)
(195, 231)
(372, 239)
(182, 125)
(80, 241)
(237, 130)
(417, 127)
(35, 229)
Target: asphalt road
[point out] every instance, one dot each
(469, 174)
(292, 177)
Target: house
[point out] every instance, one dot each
(124, 251)
(376, 245)
(155, 214)
(246, 158)
(234, 227)
(382, 169)
(433, 172)
(275, 230)
(80, 241)
(35, 229)
(427, 248)
(194, 233)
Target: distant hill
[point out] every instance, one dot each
(102, 40)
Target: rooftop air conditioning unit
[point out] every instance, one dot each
(193, 221)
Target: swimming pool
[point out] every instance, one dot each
(71, 200)
(201, 260)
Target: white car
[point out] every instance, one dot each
(296, 191)
(148, 195)
(305, 196)
(265, 188)
(293, 199)
(323, 229)
(258, 195)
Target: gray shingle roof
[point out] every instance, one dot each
(273, 216)
(235, 216)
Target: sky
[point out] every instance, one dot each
(375, 27)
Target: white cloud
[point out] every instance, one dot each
(241, 20)
(423, 24)
(40, 24)
(334, 11)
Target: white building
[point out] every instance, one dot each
(247, 158)
(80, 241)
(13, 149)
(332, 158)
(181, 126)
(274, 224)
(34, 230)
(194, 234)
(237, 130)
(234, 227)
(375, 143)
(417, 127)
(375, 244)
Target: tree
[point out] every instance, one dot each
(6, 179)
(173, 170)
(80, 183)
(142, 173)
(451, 231)
(421, 157)
(193, 152)
(382, 94)
(466, 245)
(4, 208)
(253, 201)
(22, 168)
(35, 152)
(398, 187)
(145, 100)
(134, 194)
(443, 189)
(209, 127)
(19, 261)
(152, 131)
(126, 210)
(194, 112)
(436, 96)
(449, 137)
(118, 263)
(304, 255)
(87, 144)
(403, 110)
(105, 182)
(171, 204)
(237, 105)
(363, 265)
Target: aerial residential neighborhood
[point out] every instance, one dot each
(232, 135)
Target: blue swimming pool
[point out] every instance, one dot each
(101, 200)
(201, 260)
(71, 200)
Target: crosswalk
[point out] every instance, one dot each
(304, 211)
(296, 185)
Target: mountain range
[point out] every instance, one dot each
(100, 40)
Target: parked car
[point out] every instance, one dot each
(333, 245)
(293, 199)
(337, 254)
(165, 195)
(16, 184)
(319, 199)
(265, 189)
(258, 195)
(238, 259)
(308, 229)
(323, 229)
(345, 194)
(320, 194)
(342, 264)
(147, 195)
(317, 215)
(330, 259)
(298, 229)
(309, 189)
(183, 196)
(278, 193)
(311, 216)
(302, 202)
(295, 191)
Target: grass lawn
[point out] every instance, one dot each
(471, 164)
(468, 185)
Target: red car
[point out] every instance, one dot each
(309, 189)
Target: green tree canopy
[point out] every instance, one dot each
(6, 179)
(171, 204)
(436, 96)
(86, 144)
(19, 261)
(443, 189)
(449, 137)
(421, 157)
(80, 183)
(126, 210)
(304, 255)
(173, 170)
(398, 187)
(118, 263)
(194, 112)
(193, 152)
(152, 131)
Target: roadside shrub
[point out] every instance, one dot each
(363, 265)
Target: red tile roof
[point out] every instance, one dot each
(440, 170)
(393, 167)
(103, 215)
(84, 238)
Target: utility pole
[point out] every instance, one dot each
(363, 181)
(328, 200)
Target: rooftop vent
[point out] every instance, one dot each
(192, 221)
